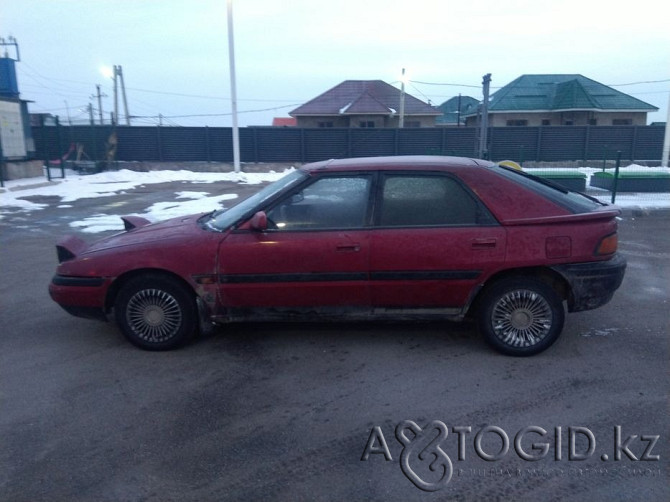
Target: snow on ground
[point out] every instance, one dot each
(76, 186)
(199, 203)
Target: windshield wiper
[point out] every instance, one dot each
(216, 213)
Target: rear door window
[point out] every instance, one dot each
(408, 200)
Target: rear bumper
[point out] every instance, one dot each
(592, 284)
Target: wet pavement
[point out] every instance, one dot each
(289, 411)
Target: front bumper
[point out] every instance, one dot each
(592, 284)
(80, 296)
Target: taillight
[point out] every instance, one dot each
(608, 245)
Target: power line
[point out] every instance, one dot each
(419, 91)
(41, 79)
(479, 86)
(446, 84)
(200, 96)
(643, 82)
(221, 114)
(50, 110)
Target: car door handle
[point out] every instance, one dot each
(351, 248)
(483, 243)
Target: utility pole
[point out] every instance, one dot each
(10, 41)
(90, 113)
(118, 76)
(119, 70)
(458, 116)
(99, 95)
(666, 139)
(484, 125)
(233, 88)
(67, 108)
(401, 119)
(116, 98)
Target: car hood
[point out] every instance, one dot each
(139, 232)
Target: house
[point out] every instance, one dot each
(364, 103)
(455, 109)
(551, 100)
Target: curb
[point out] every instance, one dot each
(28, 186)
(639, 212)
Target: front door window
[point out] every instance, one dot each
(329, 203)
(313, 254)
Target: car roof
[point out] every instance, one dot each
(402, 162)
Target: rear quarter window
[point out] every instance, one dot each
(574, 202)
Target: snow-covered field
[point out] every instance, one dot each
(76, 186)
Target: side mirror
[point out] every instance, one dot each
(259, 221)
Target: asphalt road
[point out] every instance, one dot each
(288, 412)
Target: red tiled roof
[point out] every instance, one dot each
(284, 122)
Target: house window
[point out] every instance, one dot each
(568, 122)
(622, 121)
(325, 124)
(517, 123)
(546, 122)
(593, 121)
(366, 123)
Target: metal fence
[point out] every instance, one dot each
(269, 144)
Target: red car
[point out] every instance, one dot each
(394, 237)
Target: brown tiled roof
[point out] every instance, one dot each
(361, 97)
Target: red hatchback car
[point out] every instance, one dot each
(369, 238)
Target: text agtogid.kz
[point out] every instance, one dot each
(426, 453)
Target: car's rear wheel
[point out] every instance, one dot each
(521, 316)
(156, 312)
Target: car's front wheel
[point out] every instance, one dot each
(156, 312)
(521, 316)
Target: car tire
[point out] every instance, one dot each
(520, 316)
(156, 312)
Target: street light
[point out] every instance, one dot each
(233, 87)
(106, 72)
(403, 81)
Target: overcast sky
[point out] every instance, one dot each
(174, 53)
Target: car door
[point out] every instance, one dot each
(313, 256)
(432, 242)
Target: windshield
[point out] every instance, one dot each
(224, 218)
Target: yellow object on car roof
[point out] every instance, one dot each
(510, 163)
